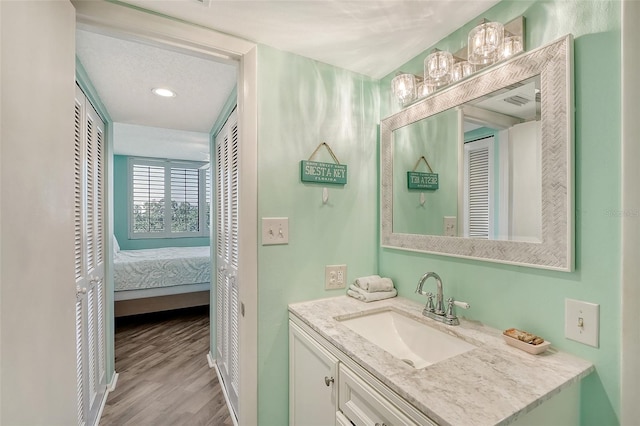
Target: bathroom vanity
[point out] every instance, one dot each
(340, 374)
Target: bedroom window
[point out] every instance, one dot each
(168, 198)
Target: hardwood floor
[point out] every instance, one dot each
(164, 378)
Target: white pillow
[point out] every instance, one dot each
(116, 246)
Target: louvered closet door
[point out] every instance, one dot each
(227, 318)
(89, 259)
(478, 172)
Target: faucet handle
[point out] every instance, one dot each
(429, 306)
(450, 313)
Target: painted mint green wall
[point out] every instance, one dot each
(301, 104)
(437, 138)
(120, 217)
(509, 296)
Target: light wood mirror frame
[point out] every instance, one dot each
(554, 64)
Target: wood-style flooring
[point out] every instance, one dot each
(164, 377)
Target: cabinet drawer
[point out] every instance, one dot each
(364, 406)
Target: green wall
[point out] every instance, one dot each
(509, 296)
(437, 138)
(120, 216)
(301, 104)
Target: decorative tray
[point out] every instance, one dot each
(527, 347)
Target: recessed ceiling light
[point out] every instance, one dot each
(165, 93)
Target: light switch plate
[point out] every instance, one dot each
(582, 322)
(450, 225)
(275, 230)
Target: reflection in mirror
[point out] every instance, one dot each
(501, 161)
(493, 191)
(435, 138)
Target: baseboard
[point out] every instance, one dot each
(210, 360)
(112, 385)
(224, 392)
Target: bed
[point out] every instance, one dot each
(160, 279)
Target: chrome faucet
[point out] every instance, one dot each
(438, 313)
(439, 309)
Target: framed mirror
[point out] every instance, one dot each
(497, 148)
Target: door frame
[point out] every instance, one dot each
(630, 226)
(169, 33)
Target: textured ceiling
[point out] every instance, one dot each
(368, 37)
(124, 72)
(372, 37)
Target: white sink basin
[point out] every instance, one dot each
(411, 341)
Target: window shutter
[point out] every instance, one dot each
(148, 198)
(185, 184)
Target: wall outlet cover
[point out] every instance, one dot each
(335, 277)
(582, 322)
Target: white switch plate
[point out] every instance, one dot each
(450, 225)
(275, 230)
(582, 322)
(335, 276)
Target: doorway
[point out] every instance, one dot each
(134, 24)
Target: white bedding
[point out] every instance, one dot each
(162, 267)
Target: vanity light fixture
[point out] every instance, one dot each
(404, 87)
(437, 68)
(461, 70)
(485, 43)
(489, 43)
(512, 45)
(164, 92)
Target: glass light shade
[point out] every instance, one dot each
(437, 68)
(403, 87)
(461, 70)
(485, 43)
(425, 89)
(512, 45)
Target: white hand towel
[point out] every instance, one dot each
(363, 282)
(358, 293)
(374, 284)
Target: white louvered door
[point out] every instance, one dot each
(89, 259)
(227, 305)
(478, 188)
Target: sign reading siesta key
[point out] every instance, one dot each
(420, 180)
(316, 172)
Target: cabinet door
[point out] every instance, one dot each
(364, 406)
(312, 381)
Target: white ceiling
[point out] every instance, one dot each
(368, 37)
(371, 37)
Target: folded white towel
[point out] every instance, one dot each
(365, 296)
(374, 283)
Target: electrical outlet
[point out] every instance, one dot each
(450, 225)
(335, 277)
(275, 230)
(582, 321)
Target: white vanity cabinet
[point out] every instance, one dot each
(325, 389)
(312, 381)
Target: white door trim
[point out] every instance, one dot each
(630, 214)
(166, 32)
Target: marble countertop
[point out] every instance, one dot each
(493, 384)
